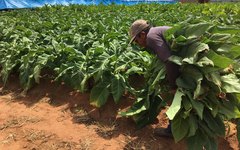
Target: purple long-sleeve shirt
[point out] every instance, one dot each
(157, 44)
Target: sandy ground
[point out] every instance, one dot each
(54, 117)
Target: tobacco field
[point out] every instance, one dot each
(86, 47)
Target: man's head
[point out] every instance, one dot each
(138, 32)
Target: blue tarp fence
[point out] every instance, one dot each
(12, 4)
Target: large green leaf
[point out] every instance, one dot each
(184, 81)
(176, 59)
(211, 144)
(149, 116)
(219, 37)
(198, 106)
(193, 125)
(36, 73)
(190, 55)
(197, 30)
(207, 131)
(160, 76)
(215, 124)
(136, 108)
(199, 88)
(197, 141)
(226, 29)
(234, 51)
(230, 50)
(230, 83)
(134, 69)
(218, 60)
(6, 69)
(229, 109)
(215, 78)
(99, 94)
(212, 103)
(117, 87)
(180, 128)
(191, 78)
(176, 105)
(203, 62)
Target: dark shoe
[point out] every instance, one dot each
(162, 132)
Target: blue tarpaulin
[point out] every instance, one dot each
(12, 4)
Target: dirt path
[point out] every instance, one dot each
(52, 116)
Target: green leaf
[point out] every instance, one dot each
(235, 51)
(191, 54)
(230, 50)
(186, 103)
(199, 107)
(204, 62)
(175, 59)
(229, 109)
(99, 94)
(226, 29)
(196, 30)
(117, 87)
(36, 73)
(159, 77)
(136, 108)
(215, 124)
(193, 125)
(83, 83)
(181, 39)
(207, 131)
(215, 78)
(180, 128)
(120, 68)
(199, 88)
(176, 105)
(169, 34)
(209, 69)
(211, 144)
(219, 37)
(185, 82)
(6, 70)
(191, 78)
(218, 60)
(134, 69)
(230, 83)
(213, 103)
(148, 116)
(197, 141)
